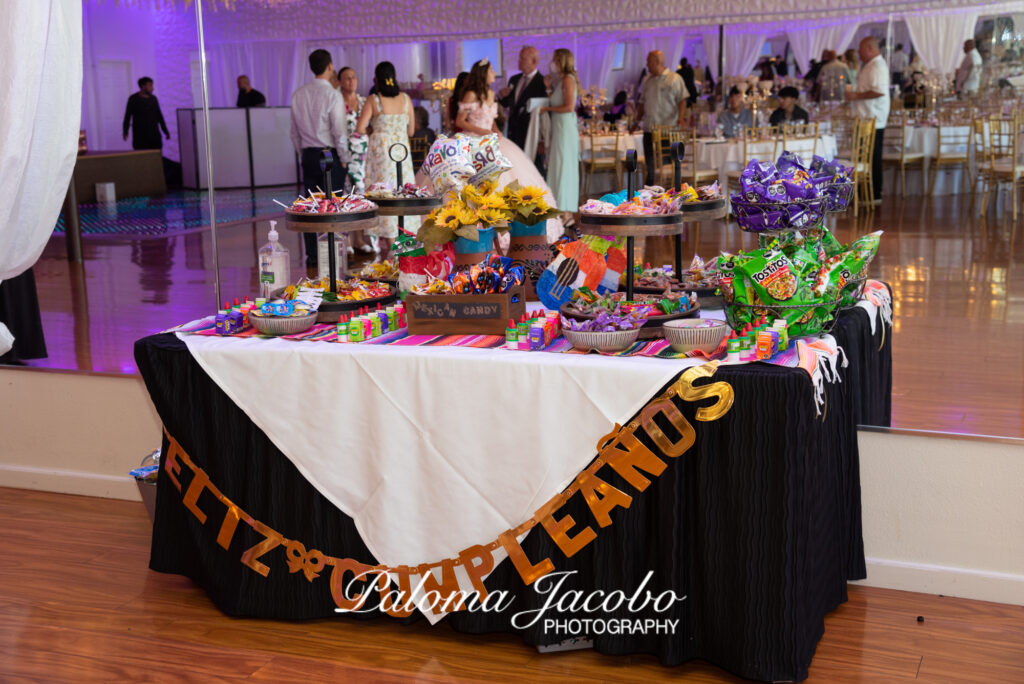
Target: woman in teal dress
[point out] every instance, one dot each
(564, 142)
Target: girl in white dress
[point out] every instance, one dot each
(477, 113)
(389, 112)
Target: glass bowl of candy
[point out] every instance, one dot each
(695, 334)
(282, 318)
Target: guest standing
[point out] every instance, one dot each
(664, 104)
(564, 155)
(789, 112)
(736, 118)
(899, 65)
(423, 131)
(318, 123)
(355, 170)
(832, 80)
(685, 72)
(871, 100)
(968, 75)
(527, 84)
(145, 118)
(247, 95)
(453, 103)
(389, 112)
(852, 67)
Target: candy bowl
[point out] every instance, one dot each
(601, 341)
(695, 334)
(283, 325)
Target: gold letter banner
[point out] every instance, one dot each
(448, 585)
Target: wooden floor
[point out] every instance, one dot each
(77, 603)
(958, 357)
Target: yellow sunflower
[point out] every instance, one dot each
(492, 201)
(471, 193)
(529, 195)
(487, 187)
(467, 216)
(447, 216)
(491, 216)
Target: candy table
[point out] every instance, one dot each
(404, 454)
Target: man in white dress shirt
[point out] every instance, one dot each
(968, 76)
(318, 123)
(900, 62)
(871, 99)
(663, 103)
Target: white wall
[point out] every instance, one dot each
(944, 515)
(122, 43)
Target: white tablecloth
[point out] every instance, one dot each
(723, 155)
(431, 449)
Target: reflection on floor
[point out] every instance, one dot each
(177, 212)
(959, 301)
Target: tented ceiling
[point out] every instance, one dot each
(412, 20)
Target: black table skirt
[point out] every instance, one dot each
(759, 524)
(19, 311)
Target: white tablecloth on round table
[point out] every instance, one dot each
(723, 155)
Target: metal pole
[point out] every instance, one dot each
(721, 60)
(209, 155)
(72, 225)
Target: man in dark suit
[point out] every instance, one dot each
(517, 94)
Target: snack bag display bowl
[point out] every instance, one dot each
(601, 341)
(769, 217)
(283, 325)
(837, 196)
(690, 334)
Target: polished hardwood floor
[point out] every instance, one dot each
(78, 604)
(959, 301)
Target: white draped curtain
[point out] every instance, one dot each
(269, 66)
(809, 41)
(594, 61)
(939, 37)
(41, 69)
(742, 51)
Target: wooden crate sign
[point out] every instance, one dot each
(463, 314)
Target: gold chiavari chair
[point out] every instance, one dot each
(1004, 162)
(417, 152)
(863, 147)
(953, 147)
(758, 143)
(894, 149)
(660, 145)
(692, 173)
(598, 157)
(801, 140)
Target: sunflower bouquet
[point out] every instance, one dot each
(527, 205)
(464, 214)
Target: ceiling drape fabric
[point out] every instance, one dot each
(939, 37)
(808, 42)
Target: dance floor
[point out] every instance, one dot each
(958, 357)
(176, 212)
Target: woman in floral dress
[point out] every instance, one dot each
(389, 113)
